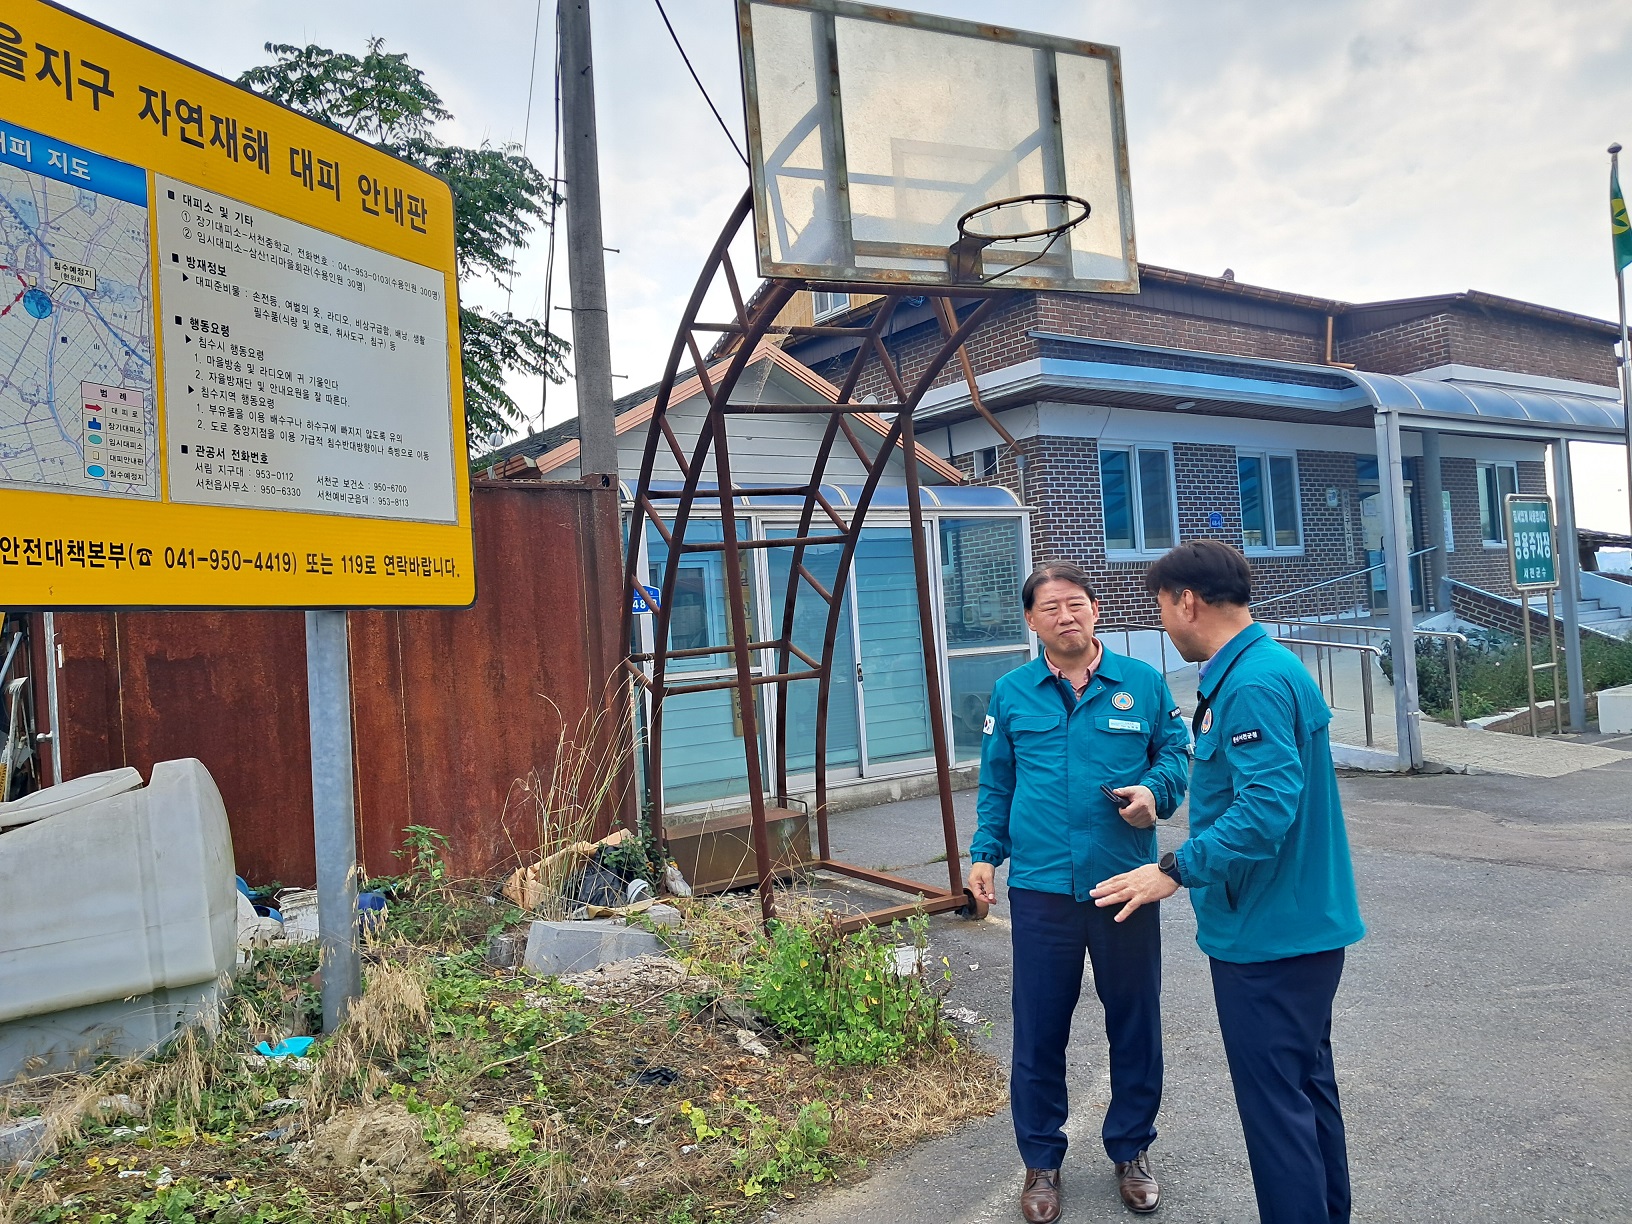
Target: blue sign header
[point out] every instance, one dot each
(56, 159)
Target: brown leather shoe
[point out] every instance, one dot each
(1040, 1200)
(1138, 1184)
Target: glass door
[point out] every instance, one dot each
(809, 627)
(889, 653)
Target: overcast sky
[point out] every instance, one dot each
(1354, 149)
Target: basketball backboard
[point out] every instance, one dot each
(871, 131)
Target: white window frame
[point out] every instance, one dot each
(1140, 551)
(826, 305)
(1271, 549)
(1497, 511)
(985, 463)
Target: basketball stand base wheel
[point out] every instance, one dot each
(974, 908)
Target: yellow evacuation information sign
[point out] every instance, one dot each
(229, 346)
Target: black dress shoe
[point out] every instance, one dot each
(1138, 1184)
(1040, 1199)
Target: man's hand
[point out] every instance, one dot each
(983, 882)
(1134, 888)
(1141, 813)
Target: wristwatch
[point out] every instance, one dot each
(1168, 865)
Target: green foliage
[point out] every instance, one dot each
(843, 994)
(424, 845)
(768, 1151)
(1490, 672)
(638, 856)
(499, 198)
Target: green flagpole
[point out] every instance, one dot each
(1621, 245)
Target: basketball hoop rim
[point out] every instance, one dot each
(1036, 197)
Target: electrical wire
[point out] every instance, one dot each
(526, 131)
(723, 127)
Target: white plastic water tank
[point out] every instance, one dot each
(114, 895)
(76, 792)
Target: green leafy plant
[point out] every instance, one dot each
(422, 846)
(846, 995)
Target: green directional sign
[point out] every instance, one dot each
(1530, 554)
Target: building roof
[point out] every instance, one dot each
(531, 454)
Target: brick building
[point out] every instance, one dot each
(1205, 408)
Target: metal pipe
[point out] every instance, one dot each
(59, 769)
(1391, 473)
(334, 812)
(16, 641)
(1625, 362)
(1552, 659)
(1569, 573)
(931, 652)
(1456, 689)
(1366, 699)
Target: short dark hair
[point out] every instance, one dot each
(1056, 571)
(1217, 573)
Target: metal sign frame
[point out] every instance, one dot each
(315, 272)
(1510, 503)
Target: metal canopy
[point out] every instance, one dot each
(1126, 373)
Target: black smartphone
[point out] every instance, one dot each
(1121, 801)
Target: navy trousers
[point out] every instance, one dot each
(1051, 932)
(1276, 1019)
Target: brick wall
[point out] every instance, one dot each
(1496, 341)
(1062, 484)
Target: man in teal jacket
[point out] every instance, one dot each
(1059, 732)
(1268, 870)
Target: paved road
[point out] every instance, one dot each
(1483, 1038)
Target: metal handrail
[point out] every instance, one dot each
(1326, 582)
(1328, 690)
(1447, 634)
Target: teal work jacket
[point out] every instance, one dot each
(1267, 860)
(1044, 755)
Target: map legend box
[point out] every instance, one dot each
(114, 429)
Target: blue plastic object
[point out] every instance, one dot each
(370, 911)
(244, 888)
(289, 1047)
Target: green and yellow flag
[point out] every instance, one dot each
(1620, 228)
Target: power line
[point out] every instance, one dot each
(526, 128)
(728, 134)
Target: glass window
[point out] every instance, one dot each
(986, 463)
(1283, 500)
(809, 630)
(1269, 501)
(1250, 475)
(894, 699)
(822, 305)
(980, 582)
(1496, 481)
(1156, 499)
(971, 677)
(1116, 485)
(698, 613)
(1136, 489)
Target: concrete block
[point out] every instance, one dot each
(573, 947)
(26, 1139)
(659, 916)
(1615, 709)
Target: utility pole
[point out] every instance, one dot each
(586, 263)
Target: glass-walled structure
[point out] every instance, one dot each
(878, 719)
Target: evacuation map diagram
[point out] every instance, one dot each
(77, 403)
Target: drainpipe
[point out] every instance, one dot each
(1402, 630)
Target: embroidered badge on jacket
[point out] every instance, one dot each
(1122, 700)
(1206, 721)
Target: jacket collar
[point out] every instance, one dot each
(1227, 654)
(1110, 667)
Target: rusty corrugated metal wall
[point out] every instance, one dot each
(450, 708)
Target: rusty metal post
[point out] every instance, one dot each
(932, 669)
